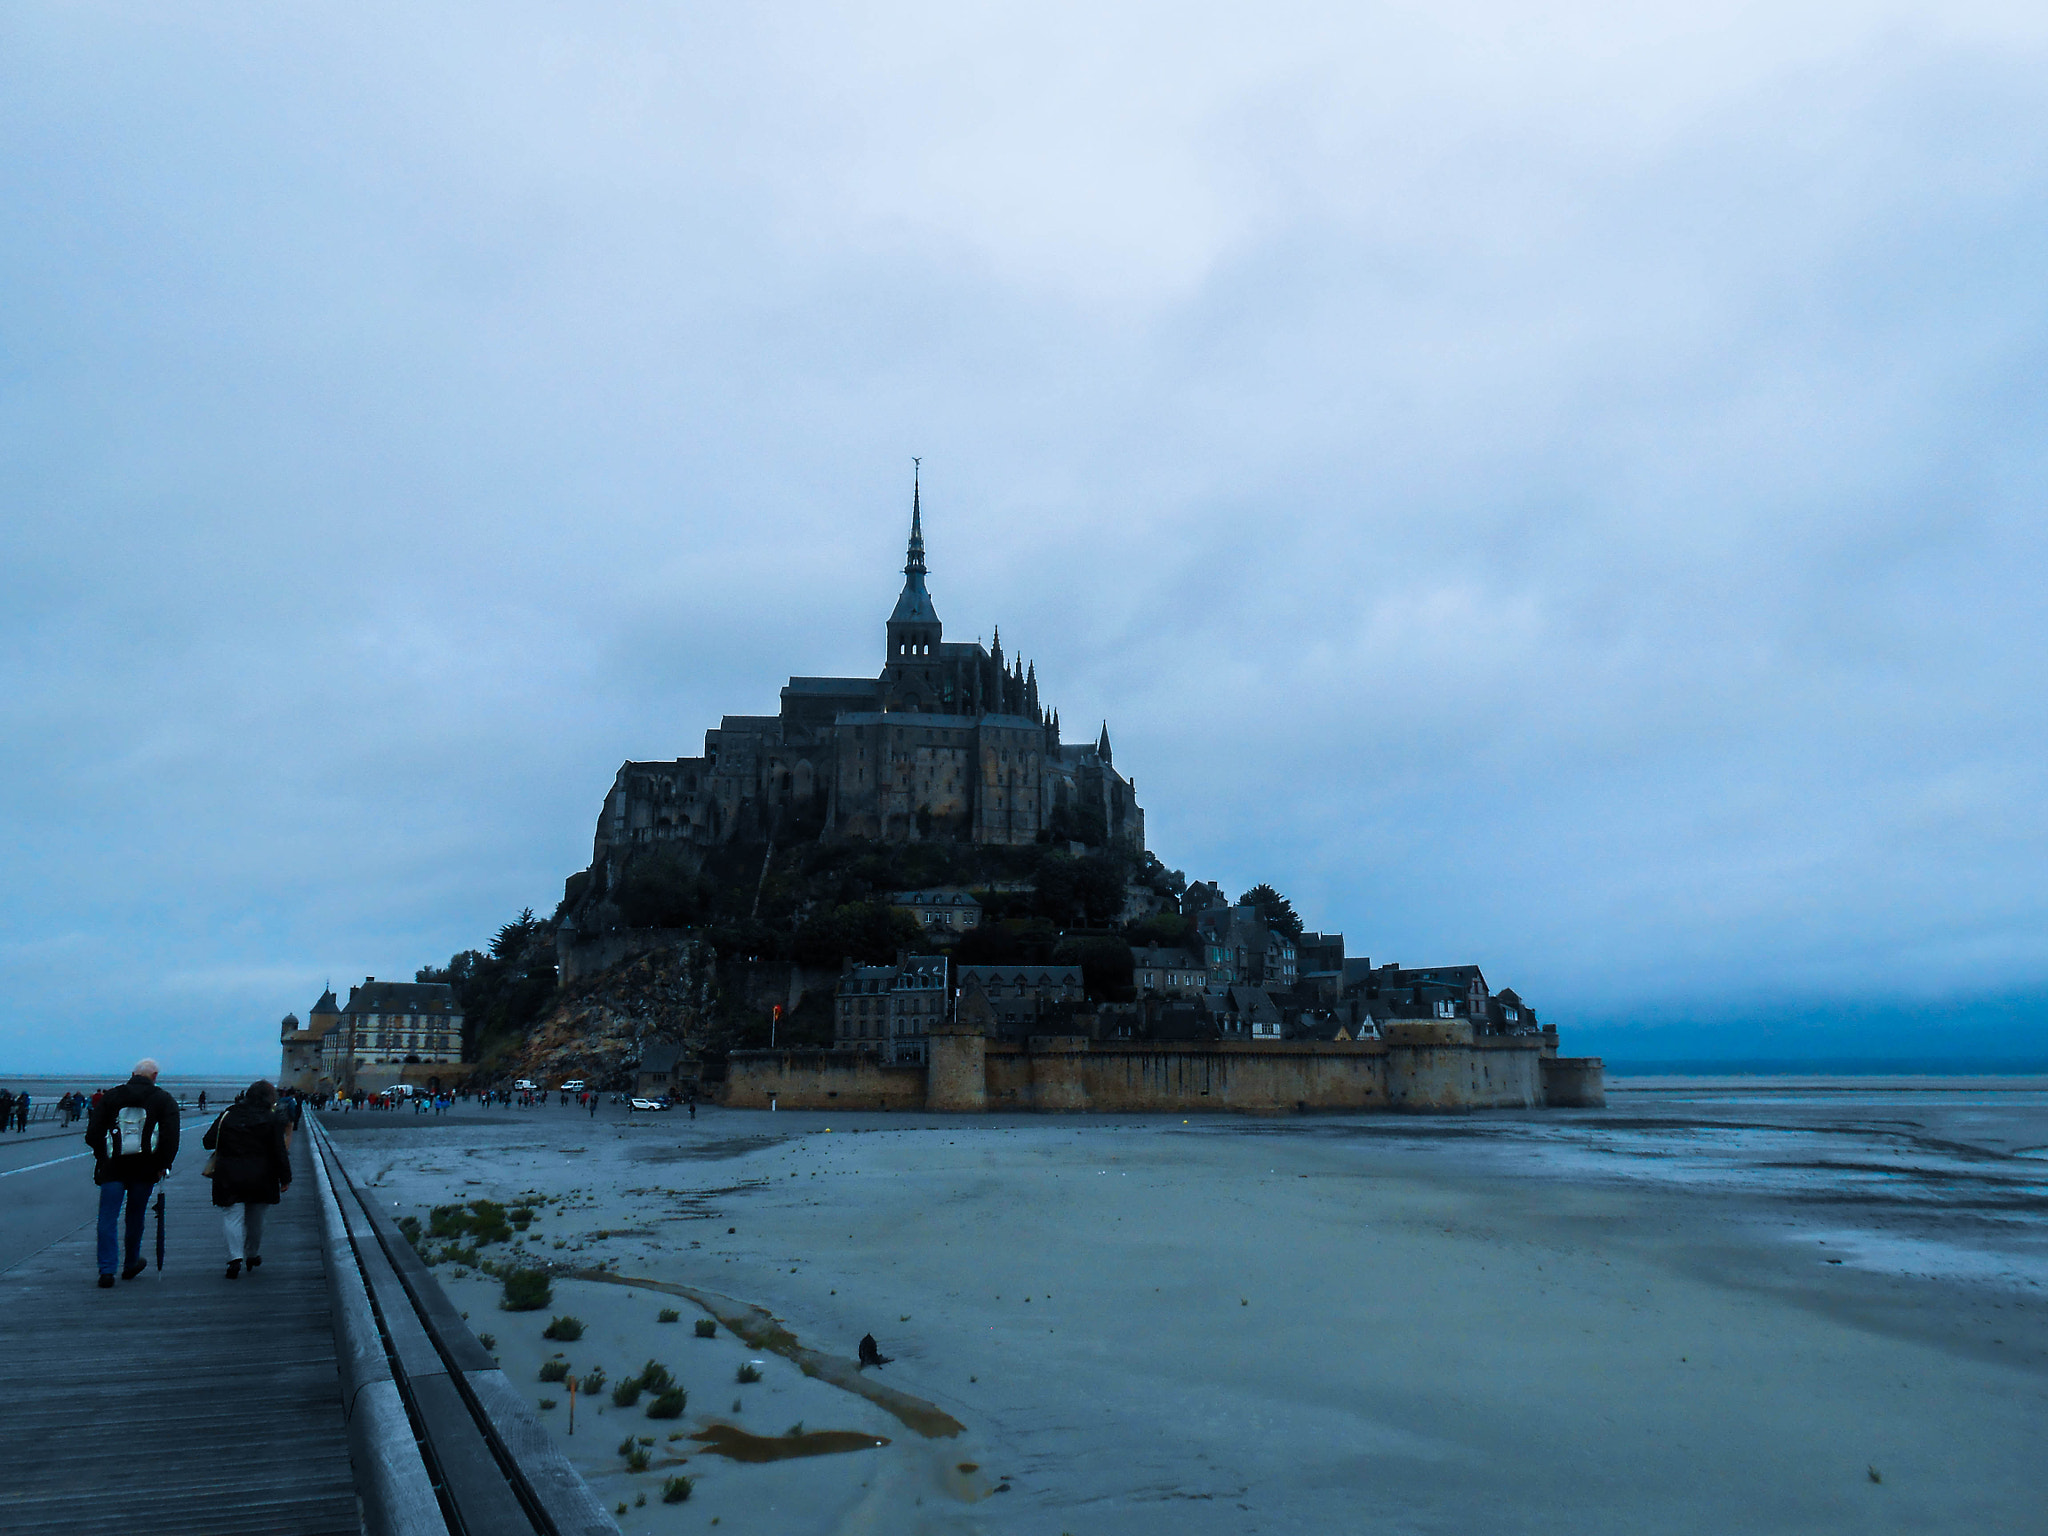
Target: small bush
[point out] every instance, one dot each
(676, 1490)
(706, 1329)
(547, 1402)
(669, 1405)
(592, 1382)
(626, 1393)
(522, 1216)
(487, 1222)
(795, 1431)
(488, 1340)
(527, 1290)
(409, 1226)
(637, 1460)
(483, 1220)
(567, 1329)
(626, 1446)
(654, 1377)
(747, 1374)
(554, 1370)
(669, 1315)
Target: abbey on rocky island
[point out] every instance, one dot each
(949, 742)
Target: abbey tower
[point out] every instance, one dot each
(949, 742)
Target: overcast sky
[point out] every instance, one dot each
(1560, 487)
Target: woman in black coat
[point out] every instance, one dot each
(252, 1168)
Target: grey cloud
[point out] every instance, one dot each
(1565, 498)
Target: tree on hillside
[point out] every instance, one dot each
(1107, 966)
(660, 890)
(1277, 910)
(989, 943)
(1162, 930)
(503, 991)
(866, 932)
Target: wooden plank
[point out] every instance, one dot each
(216, 1402)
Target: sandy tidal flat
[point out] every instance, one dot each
(1695, 1317)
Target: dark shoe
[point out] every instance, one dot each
(255, 1259)
(133, 1268)
(106, 1282)
(234, 1269)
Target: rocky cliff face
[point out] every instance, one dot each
(596, 1028)
(674, 992)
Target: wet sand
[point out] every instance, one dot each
(1694, 1312)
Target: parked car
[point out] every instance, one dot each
(525, 1085)
(640, 1103)
(574, 1085)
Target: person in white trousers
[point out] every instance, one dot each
(252, 1168)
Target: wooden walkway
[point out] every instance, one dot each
(178, 1401)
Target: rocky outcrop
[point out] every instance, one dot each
(598, 1027)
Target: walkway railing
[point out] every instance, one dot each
(440, 1439)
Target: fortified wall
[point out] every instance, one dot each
(1430, 1068)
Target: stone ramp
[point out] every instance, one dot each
(178, 1401)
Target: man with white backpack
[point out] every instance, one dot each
(134, 1137)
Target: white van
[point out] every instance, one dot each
(524, 1085)
(574, 1085)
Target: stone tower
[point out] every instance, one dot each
(913, 675)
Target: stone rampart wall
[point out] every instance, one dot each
(817, 1079)
(1575, 1082)
(1429, 1070)
(1259, 1079)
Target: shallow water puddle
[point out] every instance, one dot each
(730, 1440)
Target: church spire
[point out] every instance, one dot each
(914, 626)
(913, 565)
(1102, 744)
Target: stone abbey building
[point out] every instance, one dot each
(949, 742)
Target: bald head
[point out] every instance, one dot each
(148, 1068)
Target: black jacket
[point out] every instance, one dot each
(136, 1159)
(251, 1163)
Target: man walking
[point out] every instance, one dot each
(21, 1110)
(134, 1137)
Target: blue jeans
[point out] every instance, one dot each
(110, 1209)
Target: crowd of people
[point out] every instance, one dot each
(16, 1109)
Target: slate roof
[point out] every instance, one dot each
(1041, 976)
(436, 997)
(915, 605)
(832, 687)
(952, 896)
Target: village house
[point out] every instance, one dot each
(889, 1010)
(1019, 998)
(661, 1072)
(395, 1022)
(1168, 972)
(949, 910)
